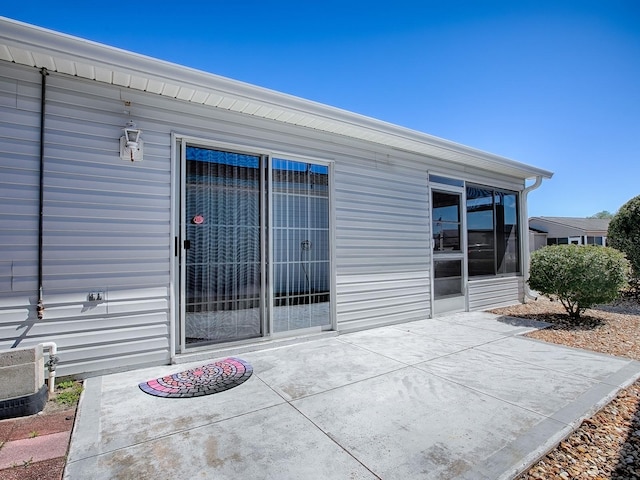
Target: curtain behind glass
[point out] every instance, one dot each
(222, 267)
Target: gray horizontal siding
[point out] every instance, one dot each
(381, 220)
(106, 223)
(18, 196)
(366, 301)
(495, 292)
(382, 245)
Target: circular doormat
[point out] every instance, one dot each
(212, 378)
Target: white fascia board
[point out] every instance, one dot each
(74, 49)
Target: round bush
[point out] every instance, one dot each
(579, 276)
(624, 232)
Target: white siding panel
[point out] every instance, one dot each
(495, 292)
(106, 222)
(366, 301)
(121, 358)
(382, 245)
(19, 202)
(8, 92)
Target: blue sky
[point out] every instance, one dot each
(555, 84)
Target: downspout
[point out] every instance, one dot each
(40, 306)
(525, 236)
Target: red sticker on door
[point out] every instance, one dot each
(197, 220)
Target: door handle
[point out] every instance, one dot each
(187, 244)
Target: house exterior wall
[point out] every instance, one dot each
(109, 223)
(106, 224)
(555, 230)
(495, 292)
(537, 240)
(382, 240)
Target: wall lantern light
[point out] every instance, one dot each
(131, 145)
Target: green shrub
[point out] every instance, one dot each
(624, 233)
(579, 276)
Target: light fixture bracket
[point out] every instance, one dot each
(131, 145)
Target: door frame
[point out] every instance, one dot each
(179, 233)
(458, 303)
(332, 325)
(179, 142)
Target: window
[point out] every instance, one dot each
(454, 182)
(446, 222)
(492, 231)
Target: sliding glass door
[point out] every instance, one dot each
(301, 255)
(254, 246)
(222, 231)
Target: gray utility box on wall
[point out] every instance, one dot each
(22, 388)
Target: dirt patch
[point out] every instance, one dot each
(56, 417)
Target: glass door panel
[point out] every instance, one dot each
(222, 241)
(448, 278)
(446, 222)
(448, 252)
(301, 253)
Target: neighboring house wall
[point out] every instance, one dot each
(108, 222)
(537, 240)
(564, 230)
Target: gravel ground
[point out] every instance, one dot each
(606, 446)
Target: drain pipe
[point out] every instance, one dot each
(525, 237)
(40, 306)
(51, 364)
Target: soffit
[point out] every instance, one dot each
(36, 47)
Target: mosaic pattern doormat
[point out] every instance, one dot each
(206, 380)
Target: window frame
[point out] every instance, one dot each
(498, 236)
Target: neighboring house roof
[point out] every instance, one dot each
(57, 52)
(553, 225)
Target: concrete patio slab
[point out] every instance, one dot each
(459, 397)
(505, 378)
(119, 414)
(276, 442)
(569, 360)
(306, 369)
(494, 323)
(453, 332)
(416, 425)
(400, 345)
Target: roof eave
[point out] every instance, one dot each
(41, 48)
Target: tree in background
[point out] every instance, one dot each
(579, 276)
(624, 235)
(602, 214)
